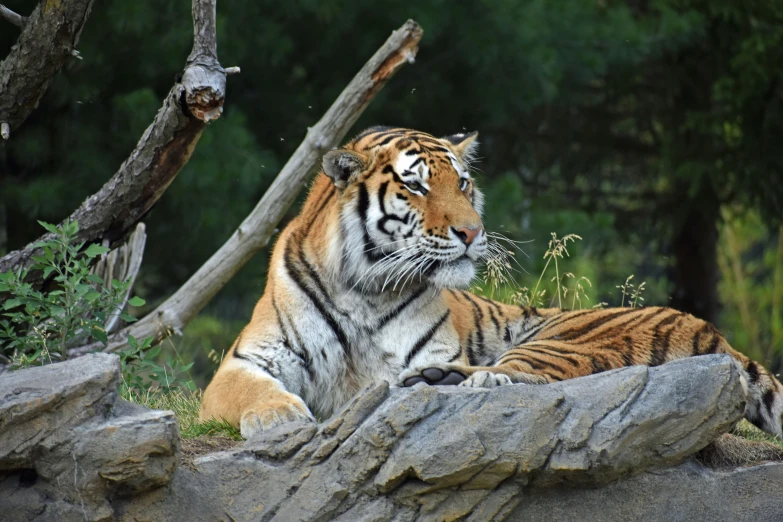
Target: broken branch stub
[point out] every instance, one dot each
(48, 37)
(165, 147)
(12, 17)
(257, 228)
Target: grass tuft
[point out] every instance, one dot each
(748, 431)
(185, 404)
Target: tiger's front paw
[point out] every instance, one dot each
(273, 413)
(433, 374)
(484, 379)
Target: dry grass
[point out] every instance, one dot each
(744, 446)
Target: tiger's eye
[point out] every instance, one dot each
(415, 186)
(463, 184)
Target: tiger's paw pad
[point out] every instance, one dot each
(433, 376)
(270, 415)
(484, 379)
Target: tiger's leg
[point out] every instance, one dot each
(444, 373)
(252, 388)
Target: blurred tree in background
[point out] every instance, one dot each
(650, 128)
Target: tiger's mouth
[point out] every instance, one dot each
(440, 264)
(457, 273)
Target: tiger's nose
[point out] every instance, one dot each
(467, 235)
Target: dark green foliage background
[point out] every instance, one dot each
(634, 124)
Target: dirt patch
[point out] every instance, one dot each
(730, 451)
(200, 446)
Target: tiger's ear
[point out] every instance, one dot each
(343, 166)
(464, 145)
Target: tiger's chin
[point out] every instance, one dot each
(457, 274)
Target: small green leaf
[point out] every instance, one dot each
(48, 226)
(11, 303)
(95, 250)
(92, 296)
(136, 301)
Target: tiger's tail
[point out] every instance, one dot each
(764, 408)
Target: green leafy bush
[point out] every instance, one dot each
(39, 326)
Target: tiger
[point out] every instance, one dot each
(370, 283)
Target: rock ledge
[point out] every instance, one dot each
(613, 446)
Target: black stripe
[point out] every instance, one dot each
(561, 317)
(304, 355)
(492, 306)
(386, 140)
(329, 193)
(753, 372)
(576, 333)
(660, 344)
(371, 250)
(478, 317)
(768, 399)
(567, 355)
(494, 321)
(652, 316)
(713, 347)
(388, 169)
(628, 354)
(424, 339)
(696, 350)
(386, 216)
(394, 313)
(266, 366)
(535, 364)
(330, 321)
(419, 160)
(614, 331)
(490, 302)
(456, 356)
(597, 367)
(471, 354)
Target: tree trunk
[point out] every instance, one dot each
(165, 147)
(695, 252)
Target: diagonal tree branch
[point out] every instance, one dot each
(164, 148)
(256, 230)
(48, 38)
(12, 17)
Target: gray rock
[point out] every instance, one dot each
(687, 493)
(606, 447)
(39, 405)
(72, 443)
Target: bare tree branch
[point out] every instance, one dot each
(256, 230)
(47, 40)
(16, 19)
(164, 148)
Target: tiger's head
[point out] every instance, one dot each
(410, 212)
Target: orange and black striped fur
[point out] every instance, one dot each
(366, 285)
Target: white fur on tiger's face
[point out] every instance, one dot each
(410, 211)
